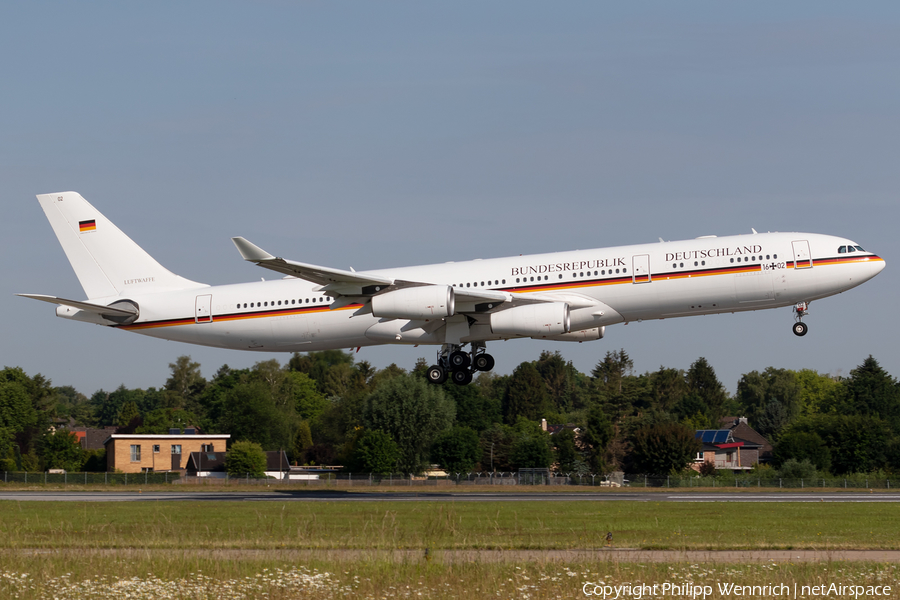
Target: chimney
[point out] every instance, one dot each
(544, 424)
(743, 420)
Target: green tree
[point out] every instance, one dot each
(872, 391)
(8, 450)
(128, 413)
(596, 436)
(771, 399)
(250, 413)
(526, 395)
(16, 410)
(61, 450)
(702, 381)
(302, 441)
(303, 393)
(245, 458)
(818, 393)
(664, 448)
(456, 450)
(473, 408)
(531, 452)
(566, 452)
(797, 469)
(857, 443)
(669, 387)
(413, 413)
(800, 445)
(184, 384)
(375, 452)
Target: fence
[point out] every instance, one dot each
(524, 477)
(855, 481)
(88, 478)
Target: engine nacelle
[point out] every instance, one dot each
(415, 303)
(532, 320)
(585, 335)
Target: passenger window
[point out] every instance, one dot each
(504, 282)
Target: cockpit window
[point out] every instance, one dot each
(859, 248)
(842, 250)
(851, 249)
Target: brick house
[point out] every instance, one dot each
(741, 430)
(737, 447)
(135, 453)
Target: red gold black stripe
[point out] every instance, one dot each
(84, 226)
(578, 283)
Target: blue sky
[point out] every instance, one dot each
(376, 135)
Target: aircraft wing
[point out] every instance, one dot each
(351, 287)
(324, 276)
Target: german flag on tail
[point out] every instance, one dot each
(84, 226)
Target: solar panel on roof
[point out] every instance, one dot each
(713, 436)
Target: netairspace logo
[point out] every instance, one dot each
(690, 590)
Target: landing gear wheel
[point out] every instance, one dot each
(461, 377)
(436, 374)
(800, 329)
(459, 360)
(484, 362)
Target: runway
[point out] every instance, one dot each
(343, 496)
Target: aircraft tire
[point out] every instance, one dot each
(436, 375)
(461, 377)
(459, 360)
(484, 362)
(800, 329)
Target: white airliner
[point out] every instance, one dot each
(564, 296)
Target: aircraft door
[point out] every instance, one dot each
(802, 256)
(203, 309)
(640, 271)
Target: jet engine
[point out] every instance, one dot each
(532, 320)
(415, 303)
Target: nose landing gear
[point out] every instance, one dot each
(460, 366)
(800, 310)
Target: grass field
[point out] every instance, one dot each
(193, 550)
(393, 525)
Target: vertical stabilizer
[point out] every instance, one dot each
(106, 261)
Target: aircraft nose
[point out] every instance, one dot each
(877, 264)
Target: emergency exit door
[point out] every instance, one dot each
(203, 309)
(640, 271)
(802, 257)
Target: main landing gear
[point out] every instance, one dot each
(800, 310)
(459, 365)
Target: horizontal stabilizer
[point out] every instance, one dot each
(123, 310)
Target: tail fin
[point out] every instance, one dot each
(106, 261)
